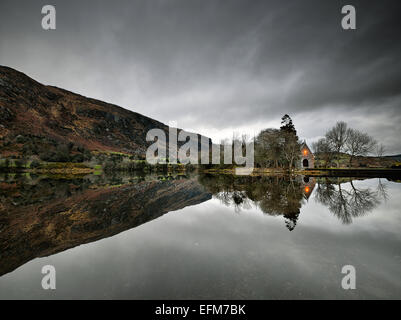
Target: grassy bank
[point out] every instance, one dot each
(334, 172)
(119, 163)
(47, 167)
(80, 168)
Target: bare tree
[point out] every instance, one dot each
(291, 148)
(337, 137)
(380, 150)
(323, 150)
(359, 144)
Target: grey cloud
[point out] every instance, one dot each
(214, 65)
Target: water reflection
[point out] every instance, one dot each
(285, 195)
(41, 216)
(273, 195)
(349, 203)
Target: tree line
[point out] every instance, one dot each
(342, 139)
(278, 148)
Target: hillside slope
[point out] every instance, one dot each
(35, 118)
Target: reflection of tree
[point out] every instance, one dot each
(382, 190)
(284, 195)
(273, 195)
(238, 198)
(346, 204)
(291, 221)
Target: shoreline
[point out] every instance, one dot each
(319, 172)
(80, 169)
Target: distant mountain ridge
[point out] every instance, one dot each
(396, 157)
(33, 115)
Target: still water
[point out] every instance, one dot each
(199, 237)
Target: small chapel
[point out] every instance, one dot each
(307, 157)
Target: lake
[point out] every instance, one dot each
(199, 237)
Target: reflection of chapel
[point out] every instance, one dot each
(307, 157)
(308, 184)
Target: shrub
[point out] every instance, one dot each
(19, 139)
(35, 164)
(78, 158)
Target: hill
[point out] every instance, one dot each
(396, 157)
(57, 125)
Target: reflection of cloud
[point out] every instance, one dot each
(207, 252)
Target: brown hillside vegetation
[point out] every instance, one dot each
(35, 117)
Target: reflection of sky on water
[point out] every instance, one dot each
(211, 251)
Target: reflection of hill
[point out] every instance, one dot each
(71, 214)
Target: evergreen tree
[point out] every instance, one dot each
(287, 125)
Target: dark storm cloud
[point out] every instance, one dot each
(218, 66)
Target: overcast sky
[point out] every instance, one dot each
(220, 66)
